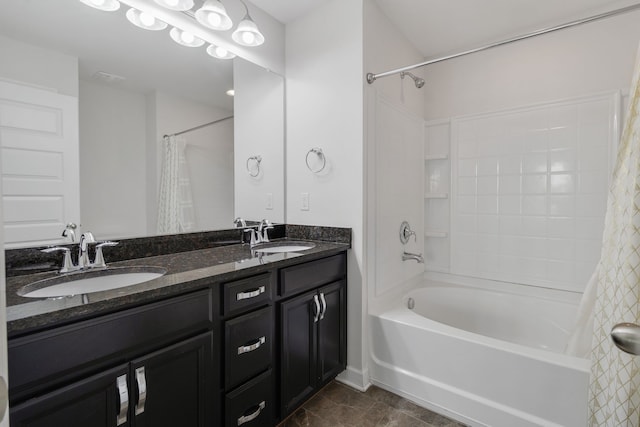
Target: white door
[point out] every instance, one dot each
(40, 164)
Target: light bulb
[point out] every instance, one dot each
(172, 3)
(146, 19)
(248, 37)
(214, 19)
(220, 51)
(98, 3)
(187, 37)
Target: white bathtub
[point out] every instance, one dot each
(482, 357)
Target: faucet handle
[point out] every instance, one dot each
(253, 233)
(67, 263)
(99, 259)
(239, 222)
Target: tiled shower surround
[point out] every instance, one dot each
(528, 191)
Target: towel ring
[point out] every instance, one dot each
(318, 152)
(256, 166)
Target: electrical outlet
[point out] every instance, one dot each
(269, 201)
(304, 201)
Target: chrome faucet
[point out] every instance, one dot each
(406, 256)
(83, 254)
(240, 223)
(263, 236)
(260, 235)
(70, 231)
(83, 249)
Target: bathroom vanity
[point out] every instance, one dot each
(224, 338)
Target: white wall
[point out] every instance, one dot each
(259, 131)
(112, 161)
(583, 60)
(324, 109)
(394, 147)
(38, 66)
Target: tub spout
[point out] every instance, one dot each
(406, 256)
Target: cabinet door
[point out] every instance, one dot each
(94, 402)
(332, 334)
(298, 350)
(173, 386)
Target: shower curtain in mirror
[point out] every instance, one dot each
(614, 392)
(175, 205)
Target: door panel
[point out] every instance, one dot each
(175, 385)
(298, 351)
(40, 164)
(91, 402)
(331, 332)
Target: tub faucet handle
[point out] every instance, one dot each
(406, 232)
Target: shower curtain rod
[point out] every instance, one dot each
(199, 127)
(371, 77)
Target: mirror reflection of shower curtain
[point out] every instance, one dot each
(614, 391)
(175, 203)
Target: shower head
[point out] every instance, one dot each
(417, 80)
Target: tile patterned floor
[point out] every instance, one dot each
(337, 405)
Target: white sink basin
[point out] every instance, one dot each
(90, 281)
(280, 247)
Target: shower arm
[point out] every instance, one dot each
(371, 77)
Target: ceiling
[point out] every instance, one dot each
(436, 27)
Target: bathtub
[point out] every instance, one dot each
(481, 356)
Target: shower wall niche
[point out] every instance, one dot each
(519, 195)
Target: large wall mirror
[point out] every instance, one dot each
(131, 87)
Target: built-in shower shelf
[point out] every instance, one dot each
(436, 195)
(443, 156)
(435, 233)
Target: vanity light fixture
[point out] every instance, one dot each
(213, 15)
(145, 20)
(185, 38)
(220, 52)
(107, 5)
(179, 5)
(247, 33)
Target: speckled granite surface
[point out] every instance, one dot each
(186, 270)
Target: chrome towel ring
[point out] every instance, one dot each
(318, 152)
(253, 165)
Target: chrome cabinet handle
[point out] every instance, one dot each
(123, 395)
(142, 390)
(317, 303)
(252, 347)
(626, 336)
(324, 305)
(252, 294)
(246, 418)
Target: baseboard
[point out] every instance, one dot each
(355, 378)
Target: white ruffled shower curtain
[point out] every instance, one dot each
(175, 203)
(614, 391)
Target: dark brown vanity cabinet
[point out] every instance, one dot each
(245, 352)
(313, 329)
(131, 368)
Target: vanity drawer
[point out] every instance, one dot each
(302, 277)
(252, 404)
(246, 293)
(249, 346)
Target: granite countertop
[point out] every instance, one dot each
(185, 271)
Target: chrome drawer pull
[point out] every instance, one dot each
(142, 390)
(123, 395)
(324, 305)
(246, 418)
(247, 295)
(316, 316)
(252, 347)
